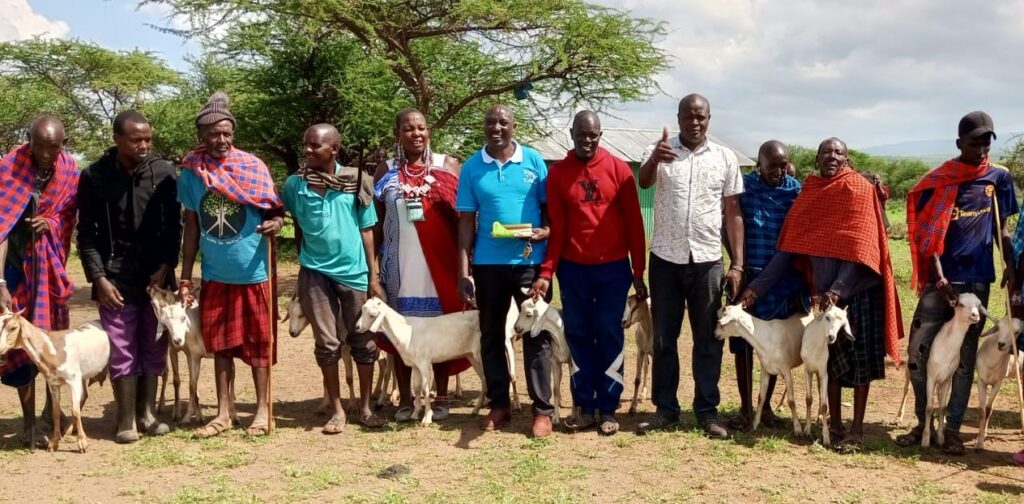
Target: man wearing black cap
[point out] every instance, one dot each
(951, 225)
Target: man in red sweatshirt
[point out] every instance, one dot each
(596, 231)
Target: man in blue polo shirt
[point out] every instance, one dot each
(332, 205)
(504, 183)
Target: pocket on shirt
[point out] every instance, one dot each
(315, 217)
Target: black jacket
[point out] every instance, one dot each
(129, 224)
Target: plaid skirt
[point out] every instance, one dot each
(235, 320)
(861, 361)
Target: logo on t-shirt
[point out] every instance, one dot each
(221, 219)
(590, 192)
(529, 176)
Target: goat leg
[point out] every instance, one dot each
(787, 377)
(762, 397)
(823, 407)
(478, 366)
(983, 409)
(903, 401)
(926, 435)
(458, 386)
(810, 401)
(636, 382)
(55, 434)
(77, 400)
(427, 375)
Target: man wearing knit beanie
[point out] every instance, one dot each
(231, 214)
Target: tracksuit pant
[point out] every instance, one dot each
(593, 301)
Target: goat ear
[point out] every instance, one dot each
(985, 314)
(990, 331)
(849, 331)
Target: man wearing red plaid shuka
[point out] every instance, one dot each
(231, 215)
(38, 185)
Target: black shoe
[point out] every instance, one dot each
(656, 423)
(581, 422)
(714, 429)
(912, 438)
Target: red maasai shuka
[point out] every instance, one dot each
(240, 176)
(438, 234)
(235, 319)
(852, 232)
(927, 229)
(49, 291)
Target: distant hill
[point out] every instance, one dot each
(933, 151)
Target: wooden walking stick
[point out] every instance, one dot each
(1009, 293)
(271, 320)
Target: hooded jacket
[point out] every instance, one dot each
(129, 223)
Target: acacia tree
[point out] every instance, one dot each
(354, 62)
(82, 83)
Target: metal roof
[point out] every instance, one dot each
(626, 143)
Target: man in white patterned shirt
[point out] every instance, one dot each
(695, 180)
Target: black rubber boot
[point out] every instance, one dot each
(124, 394)
(145, 407)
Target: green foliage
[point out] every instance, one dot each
(1014, 160)
(83, 84)
(356, 63)
(900, 174)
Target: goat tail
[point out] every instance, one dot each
(785, 392)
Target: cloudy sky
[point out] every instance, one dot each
(872, 71)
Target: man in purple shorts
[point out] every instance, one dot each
(129, 230)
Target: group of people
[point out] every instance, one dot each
(419, 233)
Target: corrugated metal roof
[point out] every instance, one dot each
(626, 143)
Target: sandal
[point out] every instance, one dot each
(372, 421)
(912, 438)
(211, 429)
(850, 444)
(336, 425)
(404, 414)
(609, 425)
(258, 430)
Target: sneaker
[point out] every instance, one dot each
(656, 423)
(496, 419)
(541, 425)
(714, 429)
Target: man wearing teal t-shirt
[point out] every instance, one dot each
(504, 183)
(336, 266)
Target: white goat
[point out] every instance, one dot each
(537, 316)
(994, 365)
(298, 322)
(510, 357)
(423, 341)
(821, 332)
(73, 358)
(640, 313)
(777, 345)
(185, 330)
(943, 359)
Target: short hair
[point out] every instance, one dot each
(125, 117)
(406, 112)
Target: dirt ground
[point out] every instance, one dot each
(455, 462)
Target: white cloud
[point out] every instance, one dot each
(872, 72)
(20, 22)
